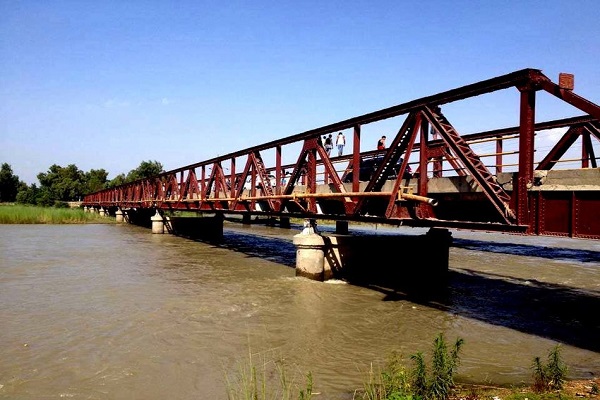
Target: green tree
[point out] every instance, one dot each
(117, 181)
(146, 169)
(95, 180)
(9, 184)
(28, 194)
(61, 184)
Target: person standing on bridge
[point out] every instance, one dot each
(340, 141)
(328, 144)
(381, 143)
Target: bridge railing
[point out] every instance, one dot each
(369, 185)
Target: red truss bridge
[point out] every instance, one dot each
(429, 175)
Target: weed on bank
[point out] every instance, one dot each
(424, 379)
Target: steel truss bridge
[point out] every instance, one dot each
(463, 181)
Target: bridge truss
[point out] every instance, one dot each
(483, 196)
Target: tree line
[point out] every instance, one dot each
(59, 184)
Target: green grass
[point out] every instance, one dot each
(22, 214)
(265, 377)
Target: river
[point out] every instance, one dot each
(115, 312)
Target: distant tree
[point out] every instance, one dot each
(116, 181)
(95, 180)
(146, 169)
(28, 194)
(9, 183)
(61, 184)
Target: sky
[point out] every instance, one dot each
(109, 84)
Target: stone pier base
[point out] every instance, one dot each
(158, 223)
(310, 256)
(119, 216)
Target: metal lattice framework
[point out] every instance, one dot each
(318, 188)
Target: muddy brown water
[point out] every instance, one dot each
(115, 312)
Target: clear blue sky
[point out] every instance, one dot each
(109, 84)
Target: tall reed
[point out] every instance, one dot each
(22, 214)
(262, 377)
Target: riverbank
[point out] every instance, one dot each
(575, 389)
(25, 214)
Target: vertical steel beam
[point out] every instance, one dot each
(587, 150)
(356, 159)
(526, 147)
(573, 216)
(278, 176)
(423, 152)
(203, 183)
(232, 185)
(499, 146)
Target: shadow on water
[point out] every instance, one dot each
(528, 250)
(277, 250)
(552, 311)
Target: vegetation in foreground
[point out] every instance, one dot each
(266, 379)
(270, 380)
(23, 214)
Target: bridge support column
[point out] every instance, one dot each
(246, 219)
(86, 209)
(119, 215)
(310, 254)
(341, 227)
(158, 224)
(284, 222)
(103, 211)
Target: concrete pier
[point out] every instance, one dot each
(119, 216)
(310, 252)
(158, 223)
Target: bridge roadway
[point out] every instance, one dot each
(479, 181)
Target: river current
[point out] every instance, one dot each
(115, 312)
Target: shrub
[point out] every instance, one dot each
(443, 366)
(552, 375)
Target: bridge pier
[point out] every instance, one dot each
(158, 223)
(310, 252)
(119, 215)
(398, 262)
(341, 227)
(247, 219)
